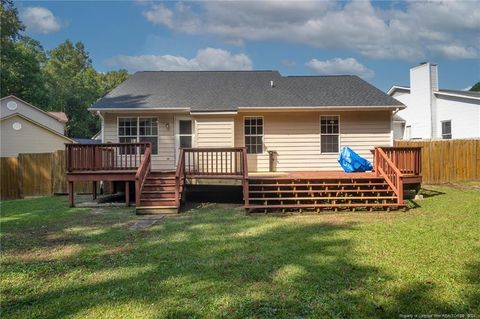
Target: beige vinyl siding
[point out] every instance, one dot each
(295, 136)
(212, 131)
(31, 138)
(165, 159)
(31, 113)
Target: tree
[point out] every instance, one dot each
(28, 83)
(21, 59)
(11, 26)
(73, 85)
(62, 80)
(112, 79)
(65, 63)
(475, 87)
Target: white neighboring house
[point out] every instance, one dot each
(434, 113)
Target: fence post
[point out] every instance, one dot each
(20, 175)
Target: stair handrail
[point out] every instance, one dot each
(385, 167)
(142, 173)
(179, 176)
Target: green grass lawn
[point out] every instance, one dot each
(215, 262)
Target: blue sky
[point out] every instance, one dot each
(378, 41)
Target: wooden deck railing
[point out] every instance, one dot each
(214, 162)
(179, 176)
(406, 159)
(142, 173)
(385, 167)
(105, 157)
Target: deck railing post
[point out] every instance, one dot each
(245, 177)
(179, 175)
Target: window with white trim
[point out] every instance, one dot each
(447, 130)
(253, 129)
(139, 129)
(329, 134)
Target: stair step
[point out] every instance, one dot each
(290, 206)
(153, 210)
(157, 202)
(159, 183)
(162, 178)
(162, 173)
(315, 184)
(159, 188)
(158, 196)
(322, 198)
(158, 192)
(298, 191)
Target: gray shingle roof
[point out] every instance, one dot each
(202, 91)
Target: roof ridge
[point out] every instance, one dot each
(320, 76)
(206, 71)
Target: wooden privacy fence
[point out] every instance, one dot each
(41, 174)
(447, 161)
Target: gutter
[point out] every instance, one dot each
(138, 109)
(321, 108)
(214, 113)
(457, 95)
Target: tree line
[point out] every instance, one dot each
(61, 79)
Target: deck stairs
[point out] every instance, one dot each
(158, 193)
(326, 194)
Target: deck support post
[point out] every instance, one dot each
(70, 194)
(94, 190)
(127, 193)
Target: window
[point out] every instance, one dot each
(329, 134)
(408, 132)
(138, 129)
(185, 133)
(254, 135)
(447, 130)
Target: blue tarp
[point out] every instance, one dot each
(352, 162)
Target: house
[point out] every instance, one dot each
(434, 113)
(28, 129)
(244, 125)
(90, 141)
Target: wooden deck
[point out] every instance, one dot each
(309, 175)
(320, 190)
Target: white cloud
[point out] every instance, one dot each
(159, 14)
(455, 51)
(206, 59)
(411, 32)
(340, 66)
(39, 20)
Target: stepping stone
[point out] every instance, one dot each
(144, 223)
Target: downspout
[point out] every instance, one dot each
(102, 134)
(391, 124)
